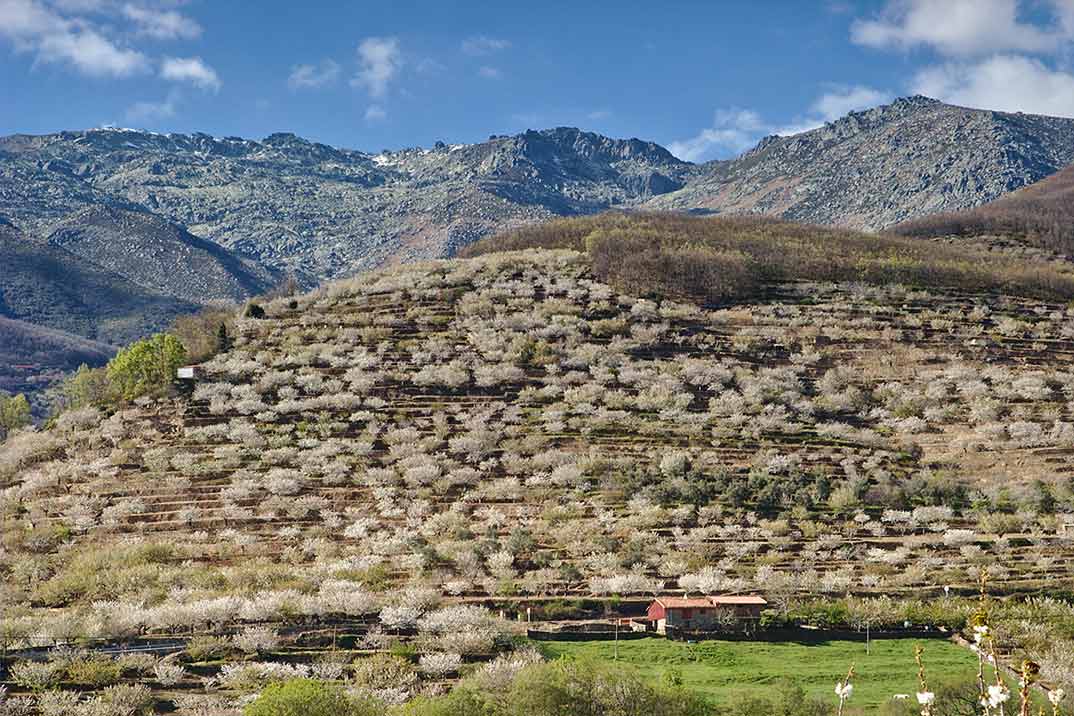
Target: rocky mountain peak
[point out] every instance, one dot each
(590, 145)
(875, 168)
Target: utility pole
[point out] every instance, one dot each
(616, 657)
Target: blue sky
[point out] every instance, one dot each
(707, 79)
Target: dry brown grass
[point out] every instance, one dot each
(733, 258)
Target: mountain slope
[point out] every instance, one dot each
(512, 427)
(1040, 215)
(32, 358)
(159, 256)
(49, 286)
(375, 461)
(323, 212)
(875, 168)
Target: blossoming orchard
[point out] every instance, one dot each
(386, 485)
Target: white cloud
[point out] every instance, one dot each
(379, 62)
(735, 130)
(313, 76)
(161, 24)
(26, 19)
(840, 101)
(962, 27)
(997, 57)
(732, 131)
(91, 53)
(1008, 83)
(190, 69)
(33, 27)
(375, 113)
(489, 73)
(483, 45)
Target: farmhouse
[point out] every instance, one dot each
(703, 613)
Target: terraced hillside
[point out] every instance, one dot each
(509, 429)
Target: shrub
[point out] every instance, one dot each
(146, 366)
(206, 648)
(570, 688)
(36, 675)
(306, 697)
(14, 413)
(93, 671)
(254, 640)
(169, 673)
(124, 700)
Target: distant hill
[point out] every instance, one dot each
(319, 211)
(49, 286)
(61, 308)
(32, 358)
(159, 256)
(1041, 215)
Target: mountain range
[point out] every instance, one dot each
(110, 233)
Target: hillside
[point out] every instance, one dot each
(1040, 215)
(322, 212)
(109, 276)
(876, 168)
(158, 256)
(48, 286)
(514, 427)
(32, 358)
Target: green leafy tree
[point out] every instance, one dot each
(306, 697)
(14, 413)
(146, 366)
(86, 386)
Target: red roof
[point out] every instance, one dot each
(678, 603)
(710, 602)
(751, 599)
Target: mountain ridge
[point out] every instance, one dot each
(917, 155)
(322, 212)
(190, 218)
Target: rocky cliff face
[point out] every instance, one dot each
(872, 169)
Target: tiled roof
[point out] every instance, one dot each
(737, 600)
(678, 603)
(703, 602)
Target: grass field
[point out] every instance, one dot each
(721, 669)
